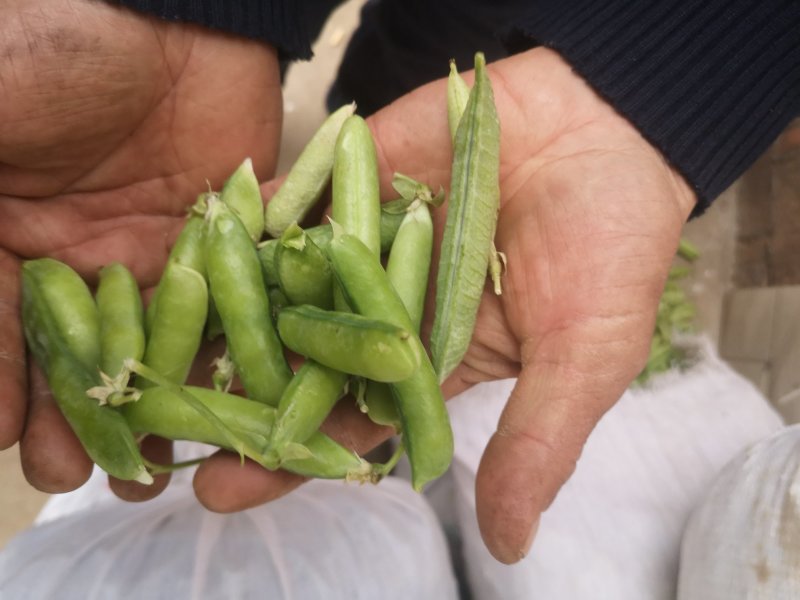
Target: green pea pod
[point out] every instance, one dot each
(457, 97)
(407, 269)
(187, 251)
(321, 235)
(426, 428)
(410, 260)
(306, 402)
(72, 307)
(48, 295)
(177, 325)
(308, 177)
(304, 273)
(239, 293)
(161, 412)
(350, 343)
(469, 230)
(121, 318)
(242, 194)
(355, 201)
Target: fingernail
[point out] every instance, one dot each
(526, 546)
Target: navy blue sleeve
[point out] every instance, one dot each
(711, 83)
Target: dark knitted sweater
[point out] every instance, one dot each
(709, 82)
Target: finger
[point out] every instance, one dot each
(223, 484)
(53, 459)
(13, 379)
(156, 450)
(569, 379)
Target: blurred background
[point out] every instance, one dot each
(745, 285)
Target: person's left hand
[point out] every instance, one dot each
(590, 220)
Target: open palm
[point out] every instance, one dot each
(590, 219)
(110, 125)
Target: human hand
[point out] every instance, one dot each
(590, 220)
(110, 124)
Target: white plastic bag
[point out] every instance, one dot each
(326, 540)
(743, 541)
(614, 530)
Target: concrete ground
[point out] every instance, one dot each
(715, 235)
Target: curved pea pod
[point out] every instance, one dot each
(187, 251)
(407, 269)
(355, 201)
(308, 177)
(162, 412)
(70, 304)
(46, 294)
(242, 194)
(457, 97)
(304, 273)
(239, 293)
(306, 402)
(428, 437)
(178, 321)
(469, 230)
(121, 318)
(350, 343)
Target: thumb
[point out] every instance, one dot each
(569, 378)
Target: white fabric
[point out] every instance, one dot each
(743, 541)
(326, 540)
(614, 530)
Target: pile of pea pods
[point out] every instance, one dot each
(254, 276)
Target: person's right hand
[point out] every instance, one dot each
(110, 125)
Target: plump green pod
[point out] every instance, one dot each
(178, 322)
(426, 427)
(102, 431)
(187, 251)
(356, 195)
(407, 269)
(305, 404)
(457, 97)
(239, 293)
(121, 318)
(304, 273)
(469, 230)
(161, 412)
(410, 260)
(308, 177)
(350, 343)
(70, 303)
(242, 194)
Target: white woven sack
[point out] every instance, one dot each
(614, 530)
